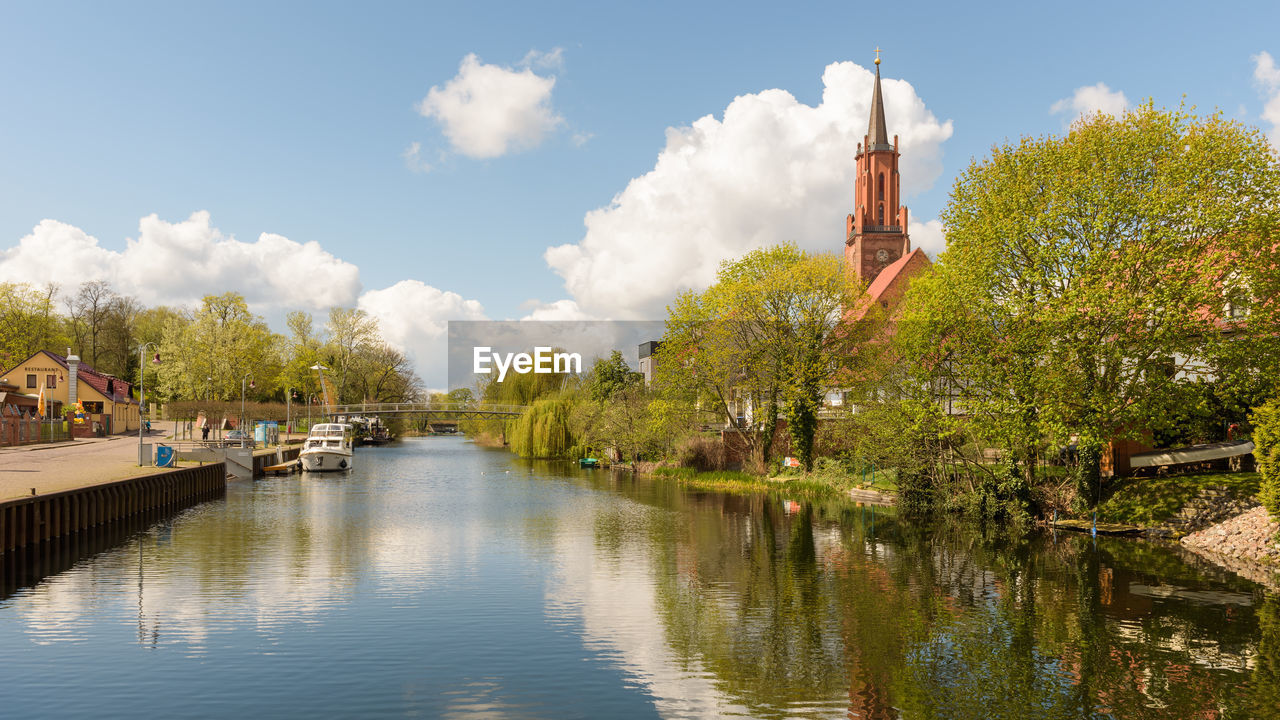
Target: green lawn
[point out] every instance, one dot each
(1152, 501)
(735, 481)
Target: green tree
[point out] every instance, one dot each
(777, 329)
(1084, 280)
(613, 412)
(301, 352)
(29, 322)
(215, 348)
(352, 332)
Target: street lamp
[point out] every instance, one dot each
(241, 428)
(288, 411)
(310, 399)
(142, 392)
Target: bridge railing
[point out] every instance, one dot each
(424, 407)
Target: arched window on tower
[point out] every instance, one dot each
(880, 190)
(881, 220)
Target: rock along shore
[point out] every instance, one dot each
(1245, 544)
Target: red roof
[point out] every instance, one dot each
(881, 284)
(120, 389)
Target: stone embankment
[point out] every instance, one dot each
(1245, 544)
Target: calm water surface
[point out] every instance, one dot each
(444, 580)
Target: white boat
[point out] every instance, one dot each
(328, 448)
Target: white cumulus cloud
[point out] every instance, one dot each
(178, 263)
(414, 317)
(927, 236)
(487, 111)
(559, 310)
(1091, 99)
(1267, 75)
(771, 170)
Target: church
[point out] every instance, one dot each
(877, 247)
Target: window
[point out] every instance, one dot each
(881, 222)
(880, 192)
(51, 381)
(31, 380)
(93, 407)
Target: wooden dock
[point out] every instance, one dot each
(1104, 528)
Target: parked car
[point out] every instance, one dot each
(238, 435)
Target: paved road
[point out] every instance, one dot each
(64, 466)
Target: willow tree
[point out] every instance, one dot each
(1088, 279)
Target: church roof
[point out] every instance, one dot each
(885, 280)
(877, 131)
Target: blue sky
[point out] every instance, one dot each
(294, 119)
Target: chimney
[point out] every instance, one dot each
(73, 368)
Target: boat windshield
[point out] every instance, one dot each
(329, 430)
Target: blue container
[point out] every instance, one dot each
(164, 456)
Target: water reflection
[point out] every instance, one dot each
(836, 611)
(444, 580)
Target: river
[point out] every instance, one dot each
(440, 579)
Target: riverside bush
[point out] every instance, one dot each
(1266, 451)
(701, 453)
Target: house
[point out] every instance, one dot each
(107, 400)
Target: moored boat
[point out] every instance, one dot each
(327, 448)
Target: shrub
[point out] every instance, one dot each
(915, 493)
(1001, 496)
(701, 453)
(1266, 450)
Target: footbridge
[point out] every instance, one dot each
(444, 410)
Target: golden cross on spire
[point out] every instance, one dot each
(877, 54)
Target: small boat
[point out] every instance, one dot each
(588, 462)
(328, 448)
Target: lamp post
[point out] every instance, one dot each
(288, 410)
(241, 428)
(142, 391)
(320, 370)
(310, 399)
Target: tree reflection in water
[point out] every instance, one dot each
(798, 608)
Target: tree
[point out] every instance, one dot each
(351, 332)
(29, 322)
(1085, 278)
(301, 352)
(780, 326)
(213, 349)
(88, 310)
(613, 411)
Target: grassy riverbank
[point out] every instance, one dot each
(1151, 502)
(813, 485)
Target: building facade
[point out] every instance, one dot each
(109, 406)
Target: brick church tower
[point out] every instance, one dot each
(876, 232)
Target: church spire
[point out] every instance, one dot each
(876, 231)
(877, 131)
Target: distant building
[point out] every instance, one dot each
(647, 351)
(107, 400)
